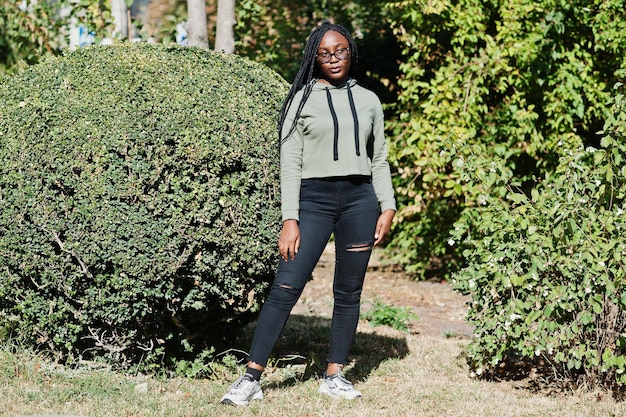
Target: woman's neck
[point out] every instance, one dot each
(334, 84)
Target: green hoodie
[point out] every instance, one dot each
(323, 143)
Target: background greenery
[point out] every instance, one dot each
(521, 82)
(32, 30)
(496, 138)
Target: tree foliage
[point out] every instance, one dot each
(32, 30)
(517, 80)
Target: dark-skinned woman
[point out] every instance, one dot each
(335, 180)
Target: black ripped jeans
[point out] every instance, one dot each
(347, 207)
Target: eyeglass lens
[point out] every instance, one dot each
(340, 54)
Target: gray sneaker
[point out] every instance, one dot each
(337, 386)
(244, 390)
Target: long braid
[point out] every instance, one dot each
(309, 71)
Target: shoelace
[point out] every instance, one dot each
(343, 380)
(340, 378)
(240, 384)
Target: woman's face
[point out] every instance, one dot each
(333, 58)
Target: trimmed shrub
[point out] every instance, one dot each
(140, 200)
(547, 271)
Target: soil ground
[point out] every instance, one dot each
(439, 310)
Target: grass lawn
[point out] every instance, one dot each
(425, 376)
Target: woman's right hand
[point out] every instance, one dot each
(289, 240)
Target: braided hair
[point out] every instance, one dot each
(309, 72)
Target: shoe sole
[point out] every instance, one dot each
(257, 396)
(227, 401)
(326, 391)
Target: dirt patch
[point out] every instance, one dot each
(440, 311)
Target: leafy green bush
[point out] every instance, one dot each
(139, 195)
(517, 80)
(547, 270)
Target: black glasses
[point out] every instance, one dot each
(340, 54)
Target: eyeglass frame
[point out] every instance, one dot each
(341, 51)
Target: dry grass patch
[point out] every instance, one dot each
(431, 379)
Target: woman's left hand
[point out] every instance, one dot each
(383, 225)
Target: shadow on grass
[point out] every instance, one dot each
(304, 345)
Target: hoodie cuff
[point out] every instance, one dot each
(291, 215)
(391, 205)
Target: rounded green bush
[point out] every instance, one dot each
(139, 200)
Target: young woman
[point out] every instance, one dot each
(335, 179)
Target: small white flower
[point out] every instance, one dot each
(514, 317)
(587, 290)
(451, 242)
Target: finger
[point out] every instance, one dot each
(283, 248)
(377, 234)
(381, 232)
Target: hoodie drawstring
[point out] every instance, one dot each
(356, 121)
(336, 123)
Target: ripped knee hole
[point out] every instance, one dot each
(359, 247)
(288, 288)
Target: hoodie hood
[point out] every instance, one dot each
(317, 85)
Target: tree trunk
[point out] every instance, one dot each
(118, 11)
(225, 35)
(197, 24)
